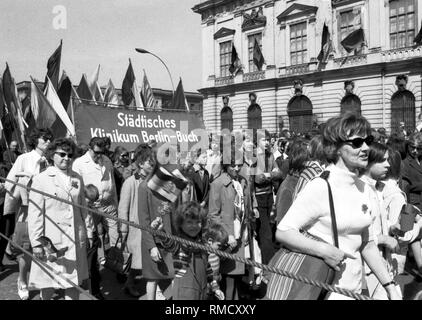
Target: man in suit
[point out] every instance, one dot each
(200, 177)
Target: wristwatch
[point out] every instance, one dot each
(385, 285)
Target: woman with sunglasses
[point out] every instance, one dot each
(59, 233)
(346, 141)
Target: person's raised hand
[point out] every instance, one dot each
(155, 254)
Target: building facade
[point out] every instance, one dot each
(295, 88)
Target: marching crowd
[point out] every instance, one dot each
(248, 196)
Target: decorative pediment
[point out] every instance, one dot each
(224, 32)
(296, 10)
(255, 19)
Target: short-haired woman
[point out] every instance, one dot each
(69, 228)
(128, 210)
(346, 139)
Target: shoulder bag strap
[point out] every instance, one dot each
(325, 176)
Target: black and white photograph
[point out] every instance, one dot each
(232, 152)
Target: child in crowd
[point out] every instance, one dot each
(92, 195)
(216, 237)
(193, 272)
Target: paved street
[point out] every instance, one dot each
(113, 290)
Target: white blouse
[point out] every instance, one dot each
(311, 212)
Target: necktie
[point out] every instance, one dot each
(43, 164)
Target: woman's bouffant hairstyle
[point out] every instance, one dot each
(298, 155)
(376, 153)
(394, 159)
(144, 152)
(399, 144)
(65, 144)
(192, 210)
(32, 140)
(316, 149)
(339, 129)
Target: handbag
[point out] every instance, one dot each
(312, 267)
(118, 259)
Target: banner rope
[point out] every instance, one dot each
(48, 269)
(207, 248)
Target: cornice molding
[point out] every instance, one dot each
(224, 32)
(304, 10)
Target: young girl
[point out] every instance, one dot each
(192, 270)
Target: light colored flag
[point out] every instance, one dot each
(55, 102)
(92, 81)
(42, 111)
(110, 95)
(98, 93)
(136, 93)
(146, 94)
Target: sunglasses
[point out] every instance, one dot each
(124, 155)
(64, 154)
(358, 142)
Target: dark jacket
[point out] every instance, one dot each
(412, 181)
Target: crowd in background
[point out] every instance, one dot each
(249, 196)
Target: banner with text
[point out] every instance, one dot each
(129, 128)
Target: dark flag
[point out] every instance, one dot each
(65, 89)
(179, 99)
(418, 38)
(64, 92)
(354, 40)
(326, 46)
(2, 102)
(14, 118)
(235, 62)
(53, 67)
(83, 90)
(127, 85)
(258, 58)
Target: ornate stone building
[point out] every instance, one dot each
(296, 87)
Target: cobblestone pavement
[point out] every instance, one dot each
(112, 289)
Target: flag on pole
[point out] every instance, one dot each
(57, 106)
(354, 40)
(166, 184)
(110, 95)
(129, 79)
(130, 91)
(2, 101)
(12, 104)
(65, 89)
(73, 103)
(235, 65)
(92, 81)
(418, 38)
(83, 91)
(326, 45)
(42, 111)
(258, 58)
(146, 94)
(53, 67)
(179, 99)
(98, 93)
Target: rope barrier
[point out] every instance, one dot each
(49, 269)
(195, 245)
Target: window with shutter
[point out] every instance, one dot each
(348, 21)
(225, 58)
(254, 117)
(299, 110)
(227, 118)
(350, 104)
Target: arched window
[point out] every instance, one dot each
(403, 110)
(350, 103)
(299, 110)
(254, 117)
(227, 119)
